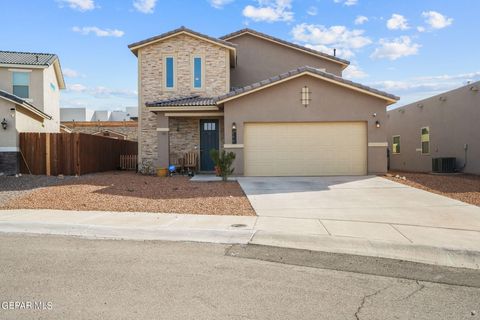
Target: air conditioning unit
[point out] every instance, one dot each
(443, 165)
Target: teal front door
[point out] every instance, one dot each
(209, 139)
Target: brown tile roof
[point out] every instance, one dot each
(190, 101)
(287, 43)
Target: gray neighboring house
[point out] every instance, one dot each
(445, 125)
(30, 85)
(283, 109)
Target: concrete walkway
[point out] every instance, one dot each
(449, 247)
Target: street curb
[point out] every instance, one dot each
(240, 236)
(450, 257)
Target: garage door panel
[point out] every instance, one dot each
(308, 149)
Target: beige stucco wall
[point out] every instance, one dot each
(259, 59)
(453, 123)
(51, 104)
(330, 102)
(8, 138)
(153, 144)
(36, 83)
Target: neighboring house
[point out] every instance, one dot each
(113, 124)
(30, 85)
(283, 109)
(446, 125)
(75, 114)
(124, 130)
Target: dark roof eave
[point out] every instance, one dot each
(27, 105)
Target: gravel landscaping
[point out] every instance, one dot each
(127, 191)
(461, 187)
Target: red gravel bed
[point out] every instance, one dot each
(461, 187)
(126, 191)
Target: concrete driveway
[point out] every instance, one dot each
(367, 207)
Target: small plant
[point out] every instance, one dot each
(147, 168)
(223, 162)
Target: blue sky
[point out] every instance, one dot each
(411, 48)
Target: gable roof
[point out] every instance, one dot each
(33, 59)
(306, 70)
(190, 101)
(22, 103)
(27, 58)
(292, 45)
(183, 30)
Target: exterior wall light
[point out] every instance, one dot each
(234, 133)
(377, 124)
(305, 96)
(4, 124)
(374, 114)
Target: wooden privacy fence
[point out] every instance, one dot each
(71, 153)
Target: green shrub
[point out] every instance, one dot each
(223, 161)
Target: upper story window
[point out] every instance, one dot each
(169, 72)
(21, 84)
(197, 72)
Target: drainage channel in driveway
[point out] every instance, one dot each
(358, 264)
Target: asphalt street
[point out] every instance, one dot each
(72, 278)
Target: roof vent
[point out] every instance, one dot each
(36, 58)
(334, 52)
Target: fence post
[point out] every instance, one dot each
(76, 152)
(48, 168)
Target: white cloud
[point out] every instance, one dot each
(395, 48)
(101, 91)
(354, 72)
(145, 6)
(219, 3)
(397, 22)
(80, 5)
(325, 39)
(270, 11)
(421, 29)
(70, 73)
(436, 20)
(76, 87)
(99, 32)
(360, 20)
(347, 2)
(312, 11)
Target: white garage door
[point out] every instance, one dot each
(305, 149)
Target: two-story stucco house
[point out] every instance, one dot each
(30, 85)
(283, 109)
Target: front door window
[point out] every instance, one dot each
(209, 139)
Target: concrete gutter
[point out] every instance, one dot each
(229, 230)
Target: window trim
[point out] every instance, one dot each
(202, 72)
(174, 57)
(399, 142)
(29, 86)
(421, 141)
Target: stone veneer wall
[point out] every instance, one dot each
(187, 138)
(9, 163)
(216, 82)
(130, 131)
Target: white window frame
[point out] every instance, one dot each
(201, 56)
(13, 71)
(421, 141)
(165, 56)
(399, 142)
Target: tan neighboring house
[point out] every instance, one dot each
(30, 85)
(443, 126)
(283, 109)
